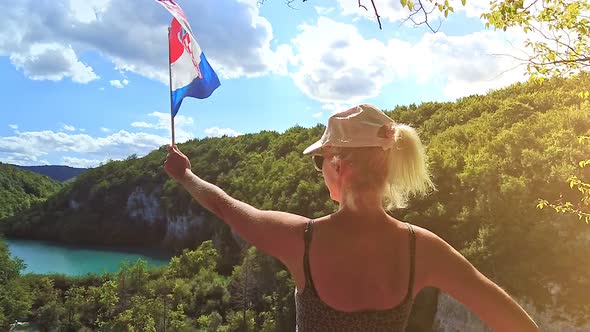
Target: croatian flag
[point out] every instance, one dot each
(190, 73)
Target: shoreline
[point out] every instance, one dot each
(152, 252)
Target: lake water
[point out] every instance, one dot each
(48, 257)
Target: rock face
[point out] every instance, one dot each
(547, 320)
(178, 227)
(452, 316)
(144, 206)
(73, 204)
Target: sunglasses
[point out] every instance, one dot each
(318, 162)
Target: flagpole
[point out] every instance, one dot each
(170, 86)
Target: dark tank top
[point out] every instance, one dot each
(315, 315)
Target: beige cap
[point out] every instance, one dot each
(360, 126)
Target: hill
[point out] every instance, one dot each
(492, 157)
(20, 189)
(57, 172)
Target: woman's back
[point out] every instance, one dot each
(357, 274)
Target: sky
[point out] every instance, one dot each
(86, 81)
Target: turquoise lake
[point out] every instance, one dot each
(48, 257)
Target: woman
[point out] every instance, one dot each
(359, 268)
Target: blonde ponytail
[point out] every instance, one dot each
(407, 173)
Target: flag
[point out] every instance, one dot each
(190, 73)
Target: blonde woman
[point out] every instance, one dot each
(359, 269)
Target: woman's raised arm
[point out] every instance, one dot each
(278, 234)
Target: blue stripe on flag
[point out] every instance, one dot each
(198, 88)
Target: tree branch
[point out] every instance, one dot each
(362, 6)
(421, 9)
(374, 10)
(376, 14)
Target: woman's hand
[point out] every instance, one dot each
(177, 163)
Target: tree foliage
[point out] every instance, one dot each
(560, 46)
(21, 189)
(15, 297)
(491, 157)
(171, 298)
(559, 31)
(582, 208)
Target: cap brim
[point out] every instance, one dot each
(312, 148)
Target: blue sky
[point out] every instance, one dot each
(84, 81)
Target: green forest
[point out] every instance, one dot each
(20, 189)
(493, 158)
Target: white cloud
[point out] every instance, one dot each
(132, 34)
(87, 11)
(182, 125)
(336, 107)
(141, 124)
(83, 150)
(339, 67)
(29, 147)
(469, 64)
(51, 61)
(317, 115)
(13, 126)
(474, 8)
(68, 127)
(336, 64)
(324, 10)
(119, 84)
(80, 162)
(218, 132)
(23, 159)
(179, 120)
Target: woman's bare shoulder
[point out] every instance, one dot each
(432, 252)
(428, 241)
(423, 233)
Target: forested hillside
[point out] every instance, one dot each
(20, 189)
(492, 158)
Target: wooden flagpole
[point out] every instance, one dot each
(170, 78)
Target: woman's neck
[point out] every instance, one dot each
(366, 204)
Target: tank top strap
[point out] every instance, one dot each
(307, 236)
(412, 259)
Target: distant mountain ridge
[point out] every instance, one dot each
(56, 172)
